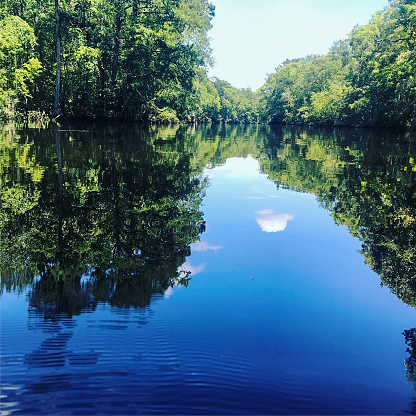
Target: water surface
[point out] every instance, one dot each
(216, 270)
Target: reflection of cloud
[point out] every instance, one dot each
(168, 293)
(187, 269)
(270, 222)
(203, 246)
(256, 197)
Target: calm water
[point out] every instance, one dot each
(222, 270)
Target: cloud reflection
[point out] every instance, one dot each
(203, 246)
(188, 269)
(270, 222)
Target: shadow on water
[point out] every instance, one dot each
(106, 214)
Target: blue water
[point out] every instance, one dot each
(281, 316)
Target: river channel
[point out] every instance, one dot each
(207, 270)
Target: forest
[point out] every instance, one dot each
(147, 61)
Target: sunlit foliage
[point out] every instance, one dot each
(368, 79)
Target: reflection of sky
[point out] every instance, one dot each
(189, 269)
(203, 246)
(273, 322)
(270, 222)
(303, 297)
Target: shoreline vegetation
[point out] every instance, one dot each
(147, 60)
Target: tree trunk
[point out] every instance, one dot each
(135, 8)
(60, 194)
(116, 52)
(57, 105)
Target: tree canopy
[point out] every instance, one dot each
(367, 79)
(133, 59)
(146, 60)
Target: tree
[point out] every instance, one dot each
(366, 80)
(57, 103)
(19, 66)
(132, 59)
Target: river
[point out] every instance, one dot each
(207, 270)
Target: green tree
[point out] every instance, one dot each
(237, 105)
(207, 99)
(18, 65)
(133, 59)
(366, 80)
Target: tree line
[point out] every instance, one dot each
(130, 59)
(368, 79)
(140, 60)
(146, 60)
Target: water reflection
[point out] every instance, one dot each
(120, 208)
(367, 181)
(410, 362)
(204, 246)
(107, 215)
(270, 222)
(121, 203)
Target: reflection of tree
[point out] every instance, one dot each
(107, 214)
(367, 182)
(410, 362)
(131, 196)
(121, 208)
(20, 177)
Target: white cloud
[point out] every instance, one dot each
(188, 269)
(270, 222)
(203, 246)
(168, 293)
(254, 197)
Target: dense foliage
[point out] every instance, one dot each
(369, 79)
(367, 182)
(134, 59)
(146, 60)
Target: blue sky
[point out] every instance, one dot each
(251, 38)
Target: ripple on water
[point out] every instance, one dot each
(150, 371)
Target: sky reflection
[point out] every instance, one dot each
(270, 222)
(204, 246)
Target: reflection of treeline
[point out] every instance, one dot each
(121, 208)
(131, 197)
(410, 362)
(367, 181)
(73, 295)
